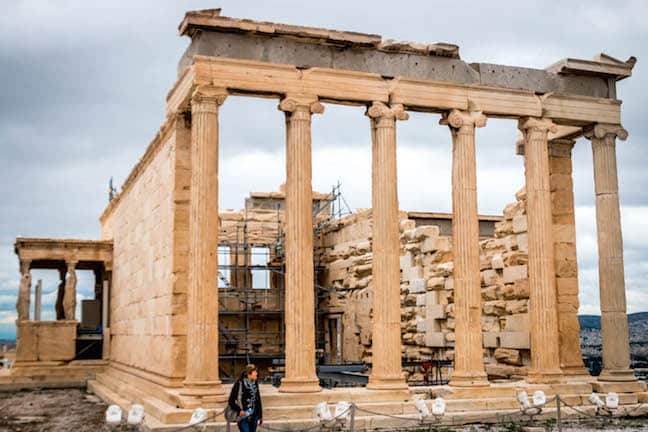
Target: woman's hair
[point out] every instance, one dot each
(248, 370)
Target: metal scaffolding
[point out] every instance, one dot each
(251, 307)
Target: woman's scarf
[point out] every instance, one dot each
(252, 387)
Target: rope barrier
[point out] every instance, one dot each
(586, 414)
(208, 418)
(439, 421)
(629, 413)
(407, 419)
(316, 426)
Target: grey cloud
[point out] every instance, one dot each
(84, 86)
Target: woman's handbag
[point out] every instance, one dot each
(232, 416)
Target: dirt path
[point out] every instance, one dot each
(51, 411)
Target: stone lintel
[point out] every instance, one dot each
(45, 253)
(602, 65)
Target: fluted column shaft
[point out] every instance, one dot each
(469, 357)
(614, 320)
(543, 314)
(386, 371)
(300, 376)
(202, 381)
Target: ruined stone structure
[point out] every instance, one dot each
(504, 306)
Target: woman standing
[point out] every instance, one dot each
(245, 399)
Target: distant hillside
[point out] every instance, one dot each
(10, 343)
(594, 321)
(589, 322)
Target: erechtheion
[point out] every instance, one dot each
(493, 300)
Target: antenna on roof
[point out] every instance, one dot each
(112, 191)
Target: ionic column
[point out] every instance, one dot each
(614, 320)
(300, 376)
(24, 292)
(566, 266)
(469, 351)
(69, 294)
(543, 314)
(202, 385)
(386, 371)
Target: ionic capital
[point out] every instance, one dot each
(605, 131)
(381, 111)
(307, 104)
(537, 124)
(457, 119)
(208, 98)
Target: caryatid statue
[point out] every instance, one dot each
(69, 298)
(22, 305)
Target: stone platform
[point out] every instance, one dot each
(297, 411)
(50, 374)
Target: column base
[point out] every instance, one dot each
(205, 394)
(299, 385)
(467, 379)
(545, 377)
(394, 382)
(575, 372)
(617, 375)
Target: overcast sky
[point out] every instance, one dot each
(83, 88)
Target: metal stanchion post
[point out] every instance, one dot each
(558, 422)
(352, 425)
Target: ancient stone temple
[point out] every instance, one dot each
(491, 301)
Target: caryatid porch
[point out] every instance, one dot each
(570, 99)
(42, 342)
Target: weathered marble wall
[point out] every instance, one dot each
(149, 226)
(427, 303)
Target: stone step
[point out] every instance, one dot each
(107, 395)
(303, 415)
(124, 389)
(287, 407)
(505, 390)
(365, 421)
(619, 387)
(124, 397)
(272, 397)
(41, 375)
(152, 389)
(55, 370)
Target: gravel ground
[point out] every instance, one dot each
(75, 410)
(51, 411)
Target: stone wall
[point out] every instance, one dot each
(427, 290)
(148, 224)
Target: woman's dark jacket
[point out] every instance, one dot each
(246, 396)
